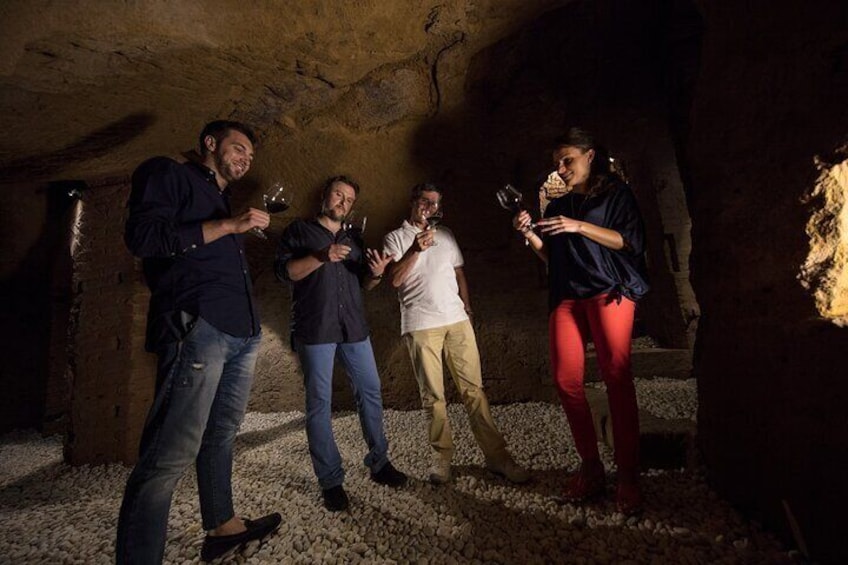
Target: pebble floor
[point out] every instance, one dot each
(56, 514)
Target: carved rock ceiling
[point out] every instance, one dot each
(93, 87)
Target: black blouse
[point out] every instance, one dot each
(580, 268)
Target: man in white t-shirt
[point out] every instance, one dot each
(435, 309)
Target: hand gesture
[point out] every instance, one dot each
(559, 224)
(377, 261)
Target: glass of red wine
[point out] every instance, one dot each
(353, 226)
(434, 218)
(511, 199)
(276, 200)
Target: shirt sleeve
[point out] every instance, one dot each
(456, 255)
(626, 220)
(285, 252)
(392, 246)
(153, 227)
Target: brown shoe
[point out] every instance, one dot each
(587, 483)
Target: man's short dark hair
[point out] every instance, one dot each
(219, 129)
(328, 184)
(420, 188)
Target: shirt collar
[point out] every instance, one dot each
(208, 175)
(407, 225)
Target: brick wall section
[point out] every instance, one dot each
(111, 377)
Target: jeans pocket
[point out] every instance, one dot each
(186, 323)
(195, 347)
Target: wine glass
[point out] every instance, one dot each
(434, 218)
(276, 200)
(353, 225)
(511, 199)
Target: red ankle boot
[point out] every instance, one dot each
(628, 496)
(587, 483)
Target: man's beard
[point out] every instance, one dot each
(334, 214)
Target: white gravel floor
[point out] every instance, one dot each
(53, 513)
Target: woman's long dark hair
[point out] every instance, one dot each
(601, 177)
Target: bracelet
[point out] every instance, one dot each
(377, 277)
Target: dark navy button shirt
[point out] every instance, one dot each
(580, 268)
(327, 305)
(168, 204)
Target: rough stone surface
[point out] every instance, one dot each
(735, 101)
(770, 369)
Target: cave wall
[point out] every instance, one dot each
(468, 95)
(459, 93)
(770, 103)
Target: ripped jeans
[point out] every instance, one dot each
(203, 385)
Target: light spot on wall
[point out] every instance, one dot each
(75, 227)
(825, 272)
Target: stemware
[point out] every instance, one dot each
(353, 225)
(276, 200)
(434, 218)
(511, 199)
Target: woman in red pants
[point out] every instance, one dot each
(592, 240)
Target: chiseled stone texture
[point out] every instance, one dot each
(770, 102)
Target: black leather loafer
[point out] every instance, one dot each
(216, 546)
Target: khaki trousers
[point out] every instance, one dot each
(459, 346)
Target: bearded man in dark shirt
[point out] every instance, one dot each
(326, 264)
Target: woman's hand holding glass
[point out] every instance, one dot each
(523, 222)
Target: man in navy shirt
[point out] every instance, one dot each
(326, 266)
(204, 328)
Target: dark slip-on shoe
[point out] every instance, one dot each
(216, 546)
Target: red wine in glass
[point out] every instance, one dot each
(276, 207)
(434, 218)
(511, 199)
(276, 200)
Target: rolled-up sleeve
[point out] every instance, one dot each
(285, 253)
(626, 220)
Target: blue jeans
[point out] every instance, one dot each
(316, 361)
(203, 384)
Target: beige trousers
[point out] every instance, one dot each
(459, 346)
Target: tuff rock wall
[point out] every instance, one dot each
(722, 105)
(769, 189)
(466, 94)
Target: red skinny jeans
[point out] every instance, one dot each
(610, 323)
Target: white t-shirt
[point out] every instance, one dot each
(429, 297)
